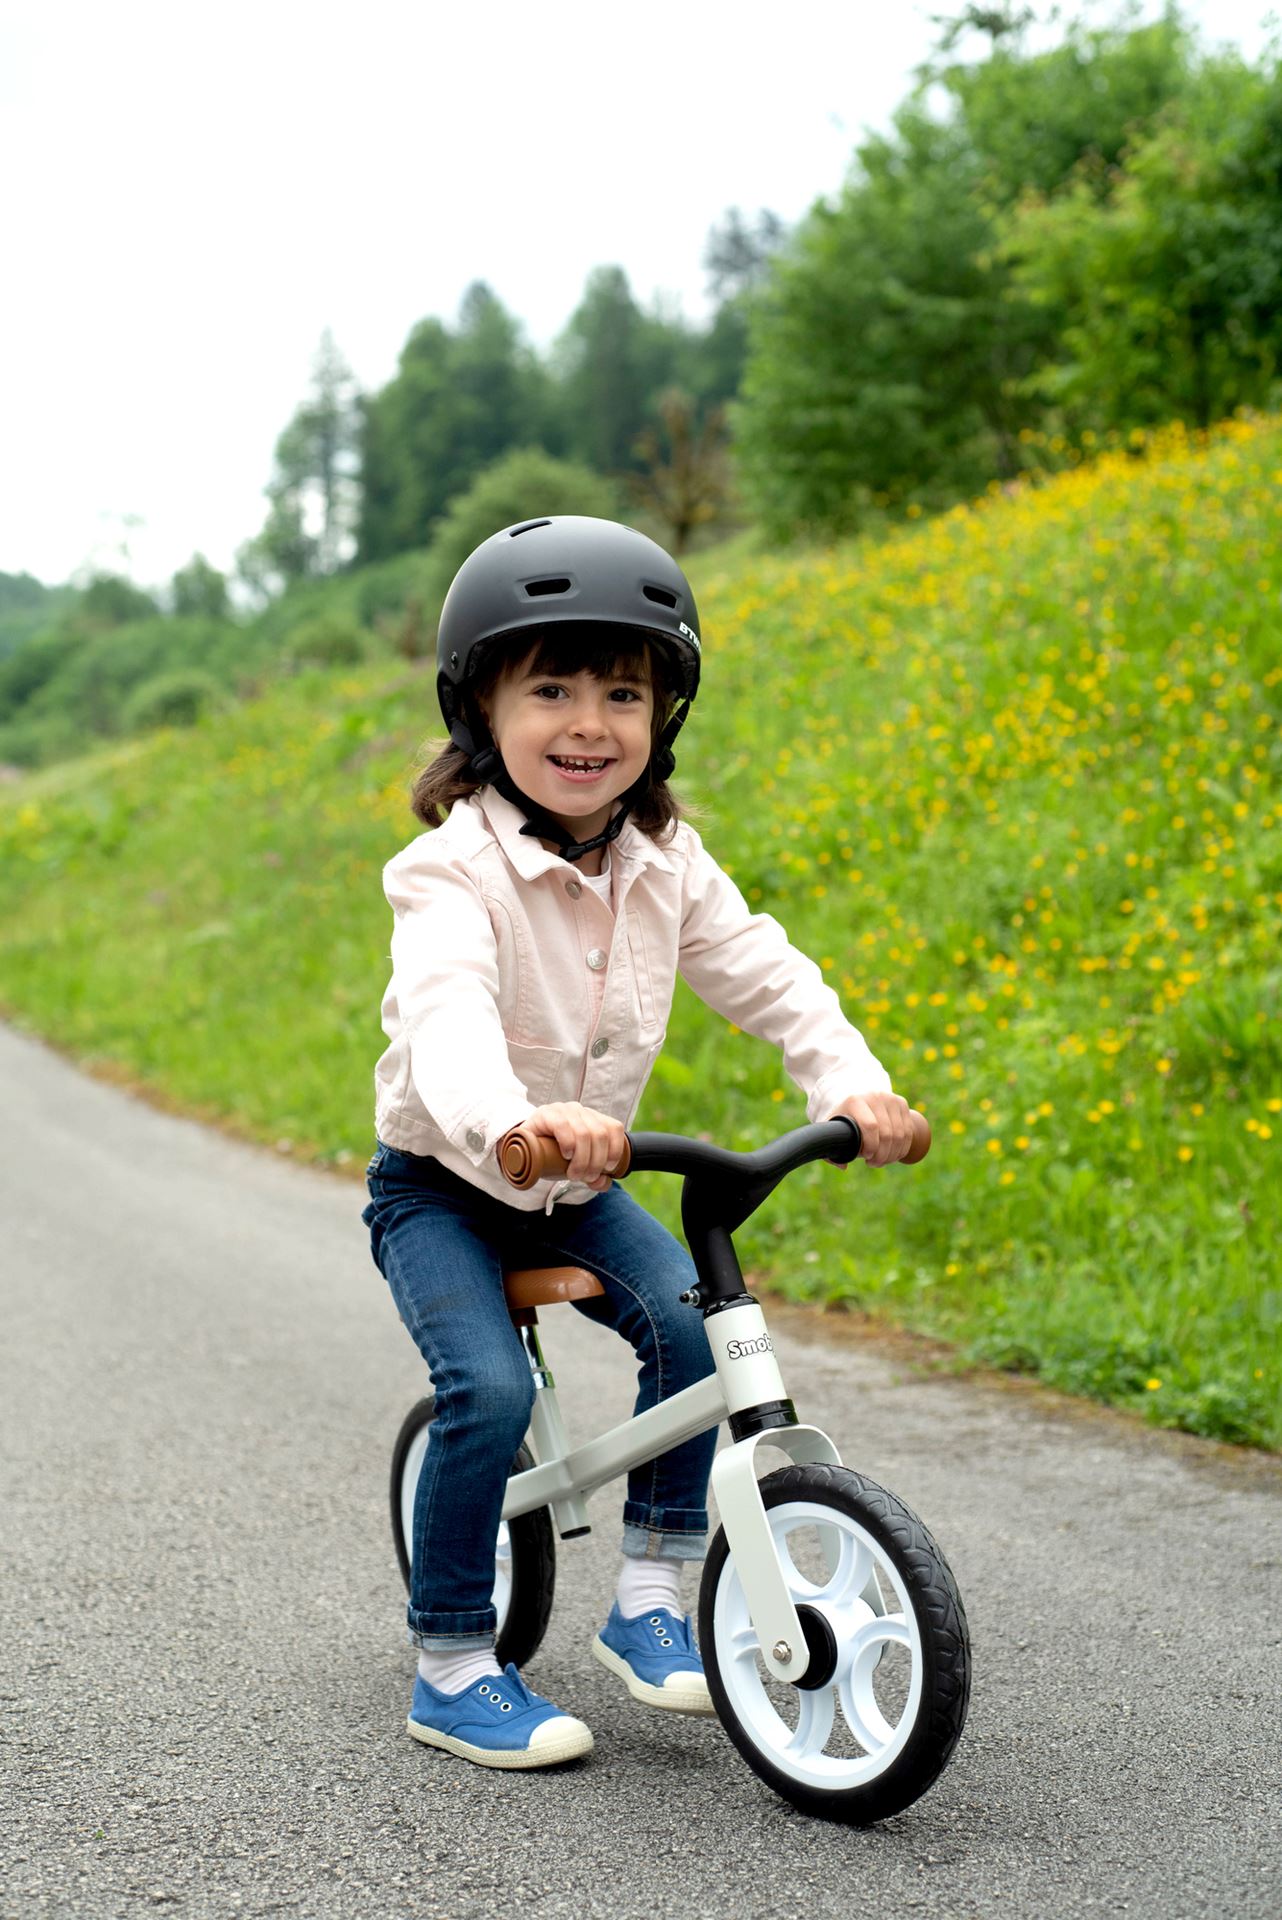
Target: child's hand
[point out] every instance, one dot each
(592, 1142)
(884, 1120)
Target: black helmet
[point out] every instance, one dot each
(567, 570)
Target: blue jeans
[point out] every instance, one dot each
(442, 1245)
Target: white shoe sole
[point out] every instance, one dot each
(572, 1744)
(688, 1694)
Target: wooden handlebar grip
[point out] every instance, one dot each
(526, 1157)
(921, 1140)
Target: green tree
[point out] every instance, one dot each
(199, 589)
(525, 484)
(457, 401)
(880, 350)
(313, 493)
(1167, 277)
(892, 353)
(1036, 122)
(737, 260)
(109, 600)
(685, 481)
(26, 607)
(611, 362)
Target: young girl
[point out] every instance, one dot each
(538, 935)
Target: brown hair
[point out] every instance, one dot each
(559, 651)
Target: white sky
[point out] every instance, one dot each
(191, 195)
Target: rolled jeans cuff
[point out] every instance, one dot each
(643, 1542)
(451, 1632)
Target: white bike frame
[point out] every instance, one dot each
(747, 1375)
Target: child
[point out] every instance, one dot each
(538, 934)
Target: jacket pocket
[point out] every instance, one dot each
(643, 985)
(536, 1068)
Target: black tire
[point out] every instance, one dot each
(930, 1653)
(524, 1620)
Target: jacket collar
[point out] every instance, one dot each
(531, 859)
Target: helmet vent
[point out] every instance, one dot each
(527, 526)
(661, 594)
(537, 588)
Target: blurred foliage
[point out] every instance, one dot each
(176, 699)
(684, 484)
(1081, 240)
(458, 401)
(327, 641)
(26, 606)
(521, 485)
(313, 493)
(109, 600)
(1166, 272)
(199, 589)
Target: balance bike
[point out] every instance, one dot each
(833, 1636)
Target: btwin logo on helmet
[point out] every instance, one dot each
(690, 635)
(741, 1349)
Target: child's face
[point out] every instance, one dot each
(547, 726)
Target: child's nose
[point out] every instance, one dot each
(589, 718)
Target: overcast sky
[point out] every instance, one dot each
(192, 194)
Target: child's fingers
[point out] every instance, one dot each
(589, 1142)
(894, 1129)
(885, 1125)
(600, 1147)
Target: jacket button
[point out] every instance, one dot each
(597, 959)
(599, 1047)
(573, 888)
(475, 1140)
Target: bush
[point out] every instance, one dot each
(329, 640)
(110, 601)
(34, 665)
(386, 590)
(522, 485)
(175, 699)
(27, 742)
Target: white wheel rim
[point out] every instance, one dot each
(502, 1594)
(849, 1732)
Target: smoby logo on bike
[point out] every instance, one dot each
(740, 1349)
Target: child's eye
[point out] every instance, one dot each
(539, 692)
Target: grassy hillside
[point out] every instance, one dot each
(1012, 776)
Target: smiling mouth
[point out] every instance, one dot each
(577, 766)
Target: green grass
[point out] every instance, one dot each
(1011, 776)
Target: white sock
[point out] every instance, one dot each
(647, 1584)
(454, 1672)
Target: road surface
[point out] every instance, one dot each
(203, 1670)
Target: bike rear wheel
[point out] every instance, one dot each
(524, 1553)
(875, 1719)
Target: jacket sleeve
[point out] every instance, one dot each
(744, 966)
(446, 980)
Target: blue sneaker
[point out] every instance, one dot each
(656, 1658)
(498, 1722)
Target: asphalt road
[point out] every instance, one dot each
(203, 1671)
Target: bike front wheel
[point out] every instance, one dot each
(524, 1553)
(875, 1718)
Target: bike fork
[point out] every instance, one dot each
(760, 1413)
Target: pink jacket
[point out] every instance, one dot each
(514, 985)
